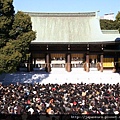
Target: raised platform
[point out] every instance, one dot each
(60, 76)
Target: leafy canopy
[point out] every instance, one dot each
(110, 24)
(16, 35)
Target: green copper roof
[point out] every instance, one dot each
(68, 27)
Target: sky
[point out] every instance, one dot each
(103, 6)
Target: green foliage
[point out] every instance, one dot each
(118, 20)
(22, 33)
(15, 36)
(6, 20)
(108, 24)
(9, 58)
(118, 17)
(22, 23)
(22, 43)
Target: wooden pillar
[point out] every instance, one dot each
(29, 64)
(34, 62)
(47, 61)
(98, 58)
(101, 63)
(69, 62)
(87, 63)
(66, 62)
(115, 69)
(98, 63)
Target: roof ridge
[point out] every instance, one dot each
(61, 13)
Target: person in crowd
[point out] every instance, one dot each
(79, 98)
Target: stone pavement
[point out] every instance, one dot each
(60, 76)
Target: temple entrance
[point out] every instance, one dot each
(77, 60)
(93, 61)
(38, 62)
(57, 60)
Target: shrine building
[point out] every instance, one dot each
(72, 40)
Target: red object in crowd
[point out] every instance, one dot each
(28, 102)
(53, 89)
(74, 103)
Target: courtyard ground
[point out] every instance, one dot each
(60, 76)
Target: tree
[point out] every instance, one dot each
(118, 16)
(108, 24)
(22, 32)
(9, 58)
(6, 20)
(17, 36)
(118, 21)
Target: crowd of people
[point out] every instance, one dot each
(80, 98)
